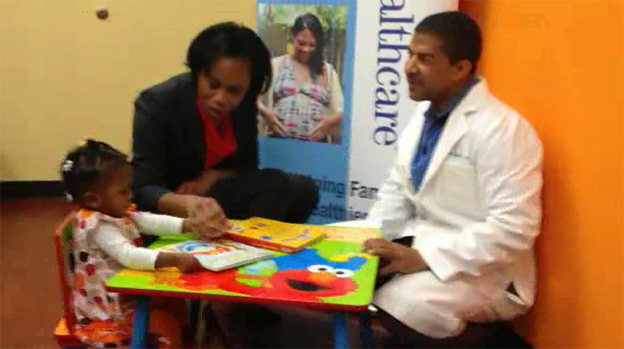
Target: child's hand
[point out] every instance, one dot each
(187, 263)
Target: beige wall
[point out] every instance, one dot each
(66, 75)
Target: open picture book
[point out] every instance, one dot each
(221, 254)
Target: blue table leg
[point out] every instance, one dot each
(367, 338)
(341, 335)
(139, 327)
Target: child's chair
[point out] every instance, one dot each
(63, 242)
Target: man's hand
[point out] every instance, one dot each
(205, 218)
(398, 258)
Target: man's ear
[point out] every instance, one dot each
(461, 69)
(91, 200)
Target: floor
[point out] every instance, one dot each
(31, 304)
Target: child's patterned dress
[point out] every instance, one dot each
(104, 319)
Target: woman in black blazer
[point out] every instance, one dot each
(195, 138)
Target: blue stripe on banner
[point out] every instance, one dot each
(326, 163)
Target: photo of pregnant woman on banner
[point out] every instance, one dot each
(305, 99)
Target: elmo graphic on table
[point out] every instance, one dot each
(304, 276)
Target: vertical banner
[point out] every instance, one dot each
(338, 100)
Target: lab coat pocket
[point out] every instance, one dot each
(457, 186)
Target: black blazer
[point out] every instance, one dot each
(168, 144)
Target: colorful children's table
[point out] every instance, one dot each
(331, 275)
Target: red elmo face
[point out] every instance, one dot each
(316, 281)
(295, 284)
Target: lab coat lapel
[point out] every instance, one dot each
(454, 130)
(456, 127)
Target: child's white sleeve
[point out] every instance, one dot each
(157, 224)
(111, 240)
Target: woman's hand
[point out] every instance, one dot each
(203, 182)
(191, 187)
(274, 124)
(206, 218)
(271, 119)
(321, 130)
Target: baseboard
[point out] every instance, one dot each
(30, 189)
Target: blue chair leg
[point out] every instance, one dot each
(139, 327)
(341, 335)
(367, 337)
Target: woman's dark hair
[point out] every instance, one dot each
(232, 40)
(460, 33)
(88, 166)
(312, 23)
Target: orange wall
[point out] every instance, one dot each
(560, 63)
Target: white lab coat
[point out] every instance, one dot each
(474, 219)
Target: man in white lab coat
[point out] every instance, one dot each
(461, 208)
